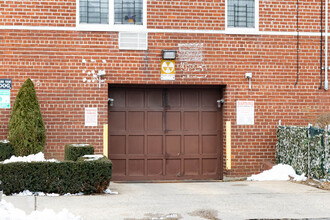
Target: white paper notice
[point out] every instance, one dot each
(245, 112)
(90, 116)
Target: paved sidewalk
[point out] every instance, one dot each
(192, 200)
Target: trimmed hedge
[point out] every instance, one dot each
(6, 150)
(51, 177)
(74, 151)
(303, 148)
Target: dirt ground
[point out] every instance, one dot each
(315, 183)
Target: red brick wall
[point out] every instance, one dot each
(53, 59)
(282, 16)
(187, 14)
(38, 13)
(178, 14)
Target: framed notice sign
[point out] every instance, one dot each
(245, 112)
(90, 116)
(4, 98)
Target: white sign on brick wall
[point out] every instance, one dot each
(245, 112)
(5, 98)
(90, 116)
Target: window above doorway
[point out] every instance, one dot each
(128, 12)
(94, 12)
(242, 16)
(111, 15)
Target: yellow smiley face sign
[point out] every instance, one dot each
(168, 70)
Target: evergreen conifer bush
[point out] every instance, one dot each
(27, 133)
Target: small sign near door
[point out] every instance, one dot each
(90, 116)
(4, 98)
(245, 112)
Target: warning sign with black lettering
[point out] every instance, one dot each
(167, 70)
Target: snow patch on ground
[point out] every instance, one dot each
(9, 212)
(108, 191)
(39, 157)
(76, 194)
(278, 172)
(29, 193)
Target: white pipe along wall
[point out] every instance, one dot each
(326, 83)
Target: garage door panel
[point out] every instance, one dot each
(191, 121)
(155, 167)
(135, 121)
(173, 121)
(210, 144)
(191, 167)
(155, 145)
(155, 98)
(209, 122)
(119, 97)
(135, 98)
(173, 168)
(191, 144)
(118, 167)
(155, 121)
(173, 98)
(135, 167)
(118, 144)
(117, 121)
(135, 144)
(209, 98)
(190, 98)
(210, 166)
(173, 145)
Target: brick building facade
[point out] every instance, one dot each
(57, 44)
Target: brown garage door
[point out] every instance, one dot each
(165, 133)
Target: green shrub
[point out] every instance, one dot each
(74, 151)
(304, 149)
(27, 133)
(51, 177)
(6, 150)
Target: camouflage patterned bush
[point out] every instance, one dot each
(304, 149)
